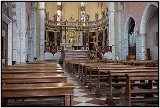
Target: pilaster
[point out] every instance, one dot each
(111, 28)
(42, 29)
(34, 28)
(20, 33)
(141, 47)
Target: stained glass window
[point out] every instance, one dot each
(83, 13)
(59, 13)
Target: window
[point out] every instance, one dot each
(83, 12)
(59, 13)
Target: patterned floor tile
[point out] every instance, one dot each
(97, 102)
(89, 96)
(86, 104)
(79, 94)
(76, 102)
(83, 99)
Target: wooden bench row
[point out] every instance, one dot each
(93, 74)
(44, 90)
(133, 62)
(36, 81)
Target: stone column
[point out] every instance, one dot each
(19, 38)
(34, 15)
(15, 38)
(111, 28)
(23, 32)
(141, 47)
(120, 32)
(42, 28)
(63, 37)
(10, 43)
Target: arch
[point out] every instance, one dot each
(127, 25)
(125, 38)
(147, 12)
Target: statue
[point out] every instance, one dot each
(96, 16)
(47, 15)
(106, 11)
(103, 14)
(87, 17)
(55, 18)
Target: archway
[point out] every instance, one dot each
(152, 36)
(149, 32)
(131, 40)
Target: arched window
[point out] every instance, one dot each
(131, 33)
(131, 39)
(83, 13)
(59, 13)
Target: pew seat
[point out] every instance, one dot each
(40, 90)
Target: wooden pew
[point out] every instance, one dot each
(137, 63)
(23, 71)
(33, 78)
(36, 80)
(44, 64)
(44, 90)
(93, 72)
(128, 99)
(121, 74)
(74, 64)
(101, 67)
(103, 74)
(26, 68)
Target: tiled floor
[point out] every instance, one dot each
(84, 97)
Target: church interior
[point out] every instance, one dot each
(79, 53)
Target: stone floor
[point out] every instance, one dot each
(83, 96)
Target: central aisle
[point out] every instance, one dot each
(83, 96)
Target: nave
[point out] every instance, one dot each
(81, 81)
(97, 53)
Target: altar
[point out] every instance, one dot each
(77, 47)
